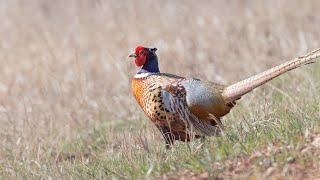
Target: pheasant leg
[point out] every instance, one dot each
(167, 135)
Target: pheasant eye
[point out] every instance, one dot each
(142, 53)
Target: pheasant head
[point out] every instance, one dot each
(147, 59)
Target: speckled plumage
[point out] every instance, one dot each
(178, 108)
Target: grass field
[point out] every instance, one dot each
(66, 109)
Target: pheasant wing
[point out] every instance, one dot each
(175, 102)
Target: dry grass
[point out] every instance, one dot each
(65, 97)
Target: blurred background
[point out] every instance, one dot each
(64, 65)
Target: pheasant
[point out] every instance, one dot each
(185, 108)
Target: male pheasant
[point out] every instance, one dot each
(183, 108)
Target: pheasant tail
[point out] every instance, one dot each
(241, 88)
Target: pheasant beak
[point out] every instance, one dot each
(133, 55)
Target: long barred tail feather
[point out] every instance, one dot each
(235, 91)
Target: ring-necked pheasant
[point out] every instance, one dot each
(181, 107)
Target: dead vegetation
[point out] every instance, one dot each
(65, 99)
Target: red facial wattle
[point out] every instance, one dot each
(140, 60)
(138, 49)
(141, 56)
